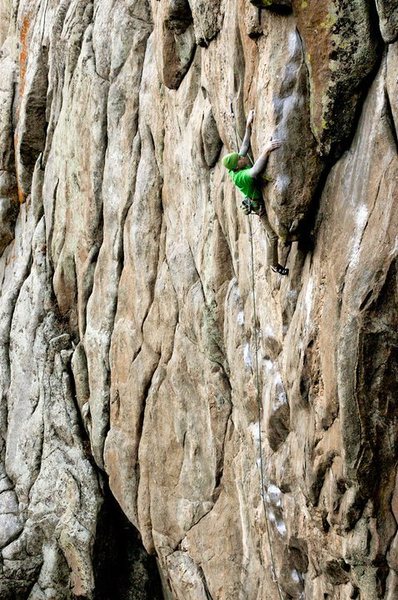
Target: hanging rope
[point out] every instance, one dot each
(260, 412)
(258, 392)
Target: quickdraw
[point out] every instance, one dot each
(250, 205)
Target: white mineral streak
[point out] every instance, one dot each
(361, 218)
(308, 300)
(247, 355)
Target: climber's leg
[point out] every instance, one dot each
(272, 241)
(272, 246)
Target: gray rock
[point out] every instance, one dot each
(388, 15)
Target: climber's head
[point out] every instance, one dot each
(242, 163)
(235, 162)
(230, 161)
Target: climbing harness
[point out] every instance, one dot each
(257, 380)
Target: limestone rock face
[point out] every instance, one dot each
(244, 423)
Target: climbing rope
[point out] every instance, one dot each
(258, 393)
(260, 412)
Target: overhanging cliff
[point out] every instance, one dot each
(128, 339)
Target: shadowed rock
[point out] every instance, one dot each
(341, 48)
(281, 6)
(388, 15)
(177, 41)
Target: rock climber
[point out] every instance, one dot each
(248, 180)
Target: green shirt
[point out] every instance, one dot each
(246, 183)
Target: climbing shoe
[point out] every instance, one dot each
(280, 270)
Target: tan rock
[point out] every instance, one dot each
(255, 453)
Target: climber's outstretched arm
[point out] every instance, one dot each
(244, 149)
(261, 162)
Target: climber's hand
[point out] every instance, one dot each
(273, 145)
(250, 118)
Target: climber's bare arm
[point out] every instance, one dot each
(244, 149)
(261, 162)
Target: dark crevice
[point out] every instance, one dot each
(366, 301)
(33, 139)
(375, 21)
(309, 227)
(140, 425)
(122, 568)
(203, 578)
(280, 7)
(49, 227)
(390, 120)
(280, 10)
(179, 17)
(141, 419)
(83, 435)
(177, 26)
(220, 466)
(21, 588)
(10, 159)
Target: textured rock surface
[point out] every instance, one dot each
(388, 14)
(341, 40)
(126, 308)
